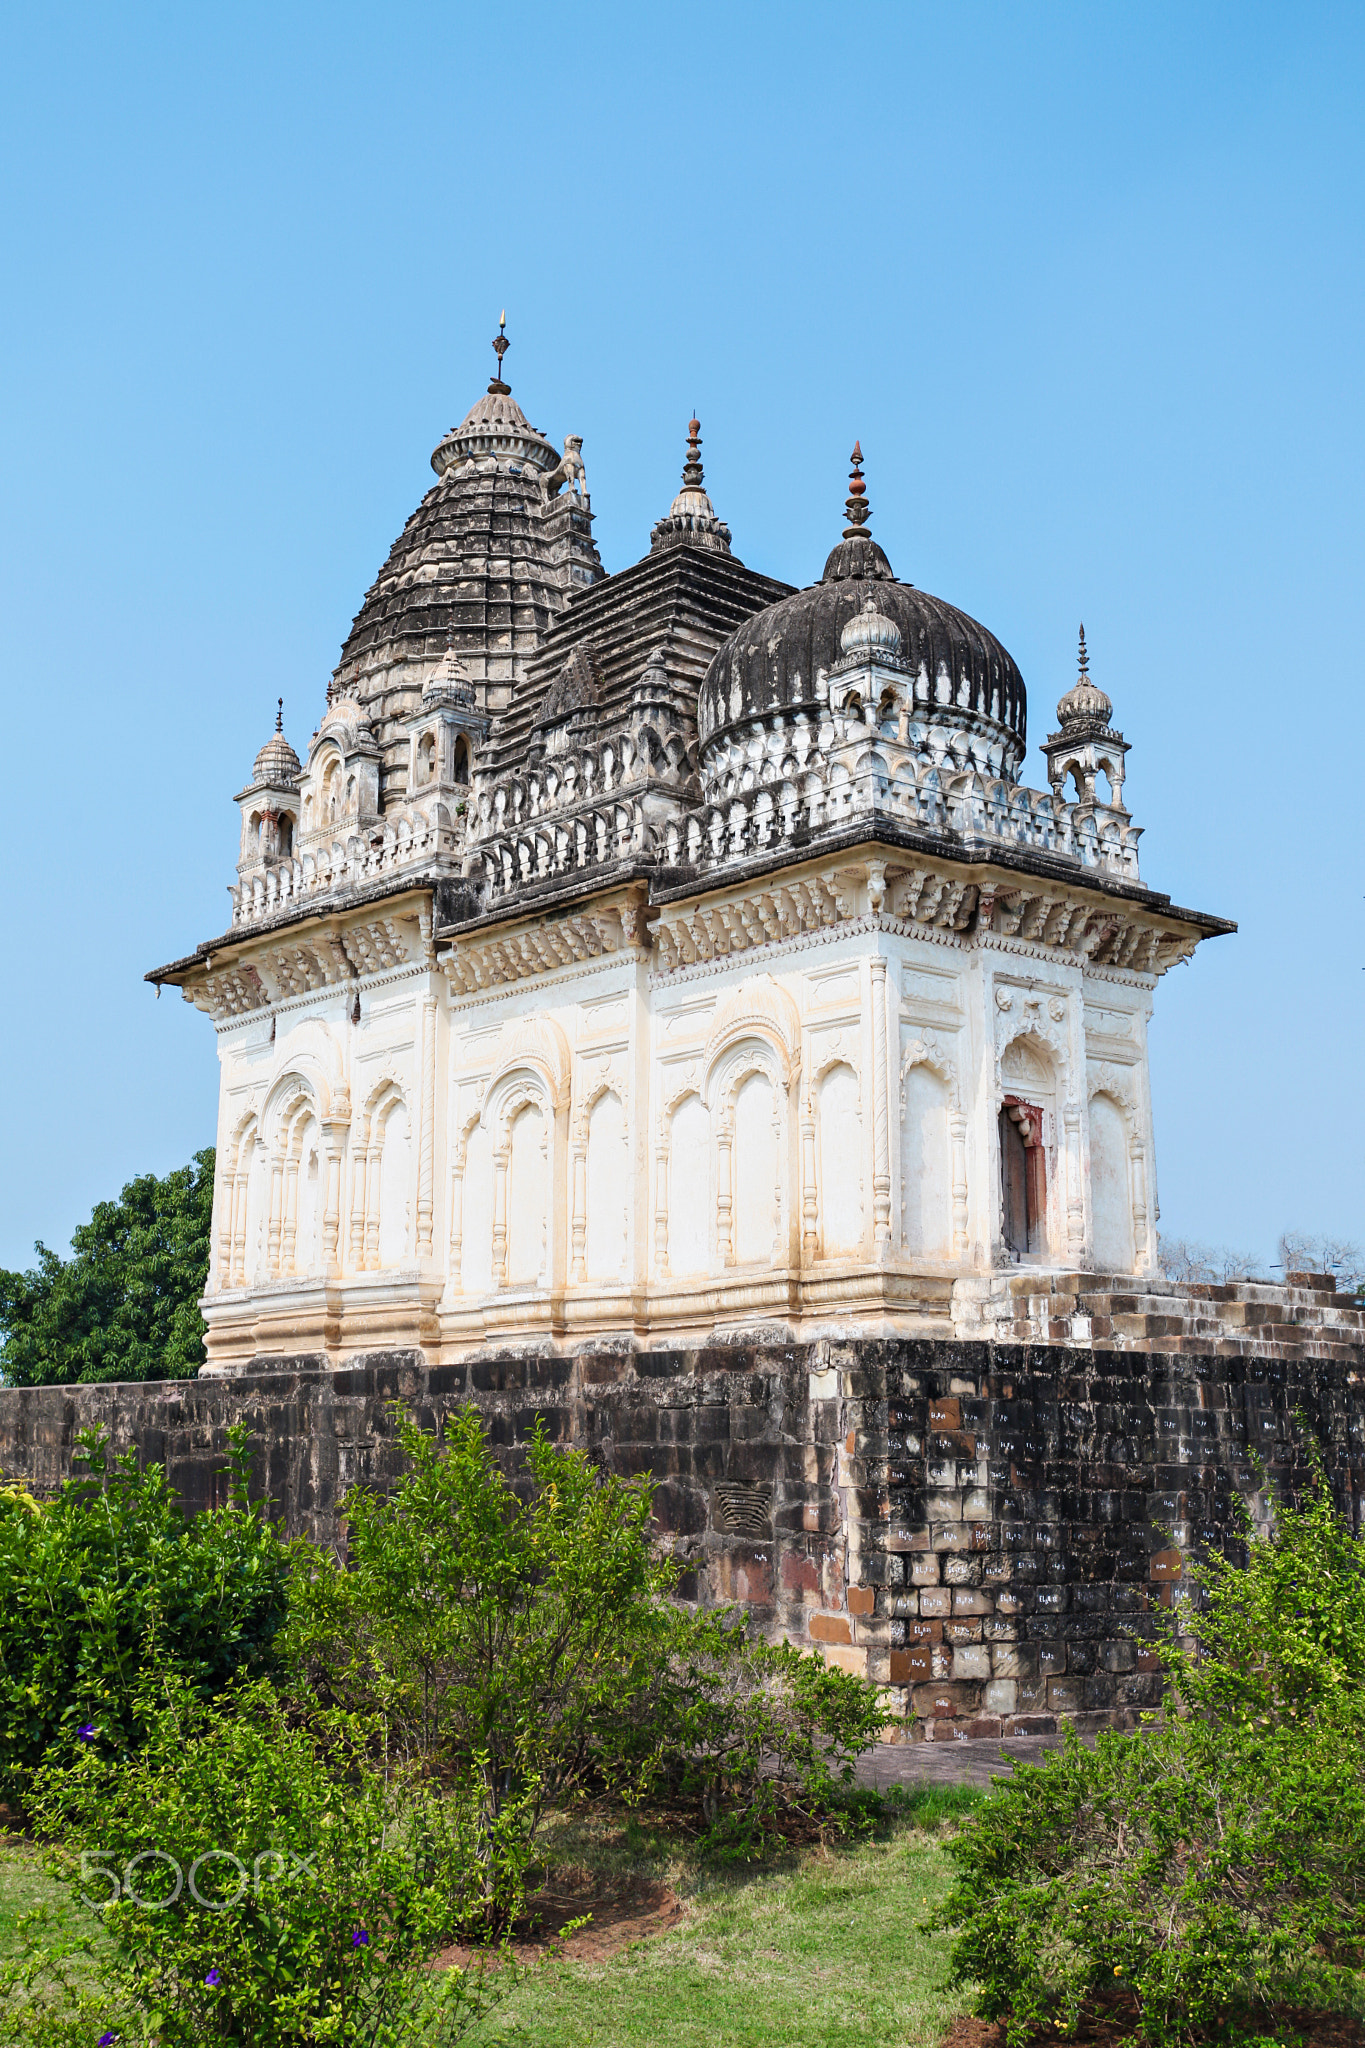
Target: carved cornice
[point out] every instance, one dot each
(475, 965)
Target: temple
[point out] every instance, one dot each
(669, 954)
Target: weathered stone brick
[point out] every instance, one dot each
(971, 1660)
(1012, 1660)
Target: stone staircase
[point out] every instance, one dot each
(1305, 1318)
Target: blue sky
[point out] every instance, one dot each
(1086, 281)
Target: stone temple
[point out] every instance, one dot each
(656, 1005)
(669, 952)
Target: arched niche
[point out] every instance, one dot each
(607, 1175)
(689, 1194)
(840, 1156)
(925, 1160)
(528, 1193)
(395, 1184)
(1111, 1194)
(746, 1093)
(1025, 1130)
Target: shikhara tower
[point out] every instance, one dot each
(669, 952)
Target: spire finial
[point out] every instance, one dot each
(1084, 658)
(279, 714)
(692, 476)
(856, 505)
(500, 347)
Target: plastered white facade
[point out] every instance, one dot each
(669, 953)
(809, 1137)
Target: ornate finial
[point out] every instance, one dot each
(1085, 702)
(692, 479)
(279, 714)
(856, 505)
(500, 347)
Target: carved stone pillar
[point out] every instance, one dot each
(357, 1244)
(810, 1198)
(500, 1163)
(373, 1158)
(291, 1215)
(578, 1174)
(881, 1138)
(334, 1138)
(276, 1216)
(425, 1178)
(457, 1211)
(1075, 1201)
(1137, 1166)
(227, 1196)
(957, 1138)
(725, 1135)
(661, 1207)
(239, 1220)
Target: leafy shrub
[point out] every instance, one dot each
(761, 1731)
(1215, 1862)
(125, 1305)
(492, 1635)
(110, 1580)
(265, 1883)
(531, 1640)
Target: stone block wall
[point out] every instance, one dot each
(990, 1530)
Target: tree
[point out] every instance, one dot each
(125, 1305)
(112, 1582)
(1305, 1252)
(1188, 1259)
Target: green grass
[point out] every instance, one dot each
(24, 1886)
(829, 1951)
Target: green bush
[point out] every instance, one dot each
(1215, 1862)
(763, 1733)
(526, 1634)
(265, 1883)
(110, 1580)
(125, 1305)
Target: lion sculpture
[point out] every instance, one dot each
(568, 470)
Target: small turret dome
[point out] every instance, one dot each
(870, 636)
(1085, 702)
(277, 763)
(771, 666)
(691, 520)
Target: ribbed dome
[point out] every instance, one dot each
(870, 636)
(772, 662)
(1085, 703)
(277, 763)
(486, 564)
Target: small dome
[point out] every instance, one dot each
(277, 763)
(870, 636)
(770, 667)
(1085, 702)
(691, 517)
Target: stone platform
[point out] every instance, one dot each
(991, 1529)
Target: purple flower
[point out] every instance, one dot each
(360, 1939)
(87, 1732)
(214, 1978)
(106, 2041)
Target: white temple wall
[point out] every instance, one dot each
(684, 1139)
